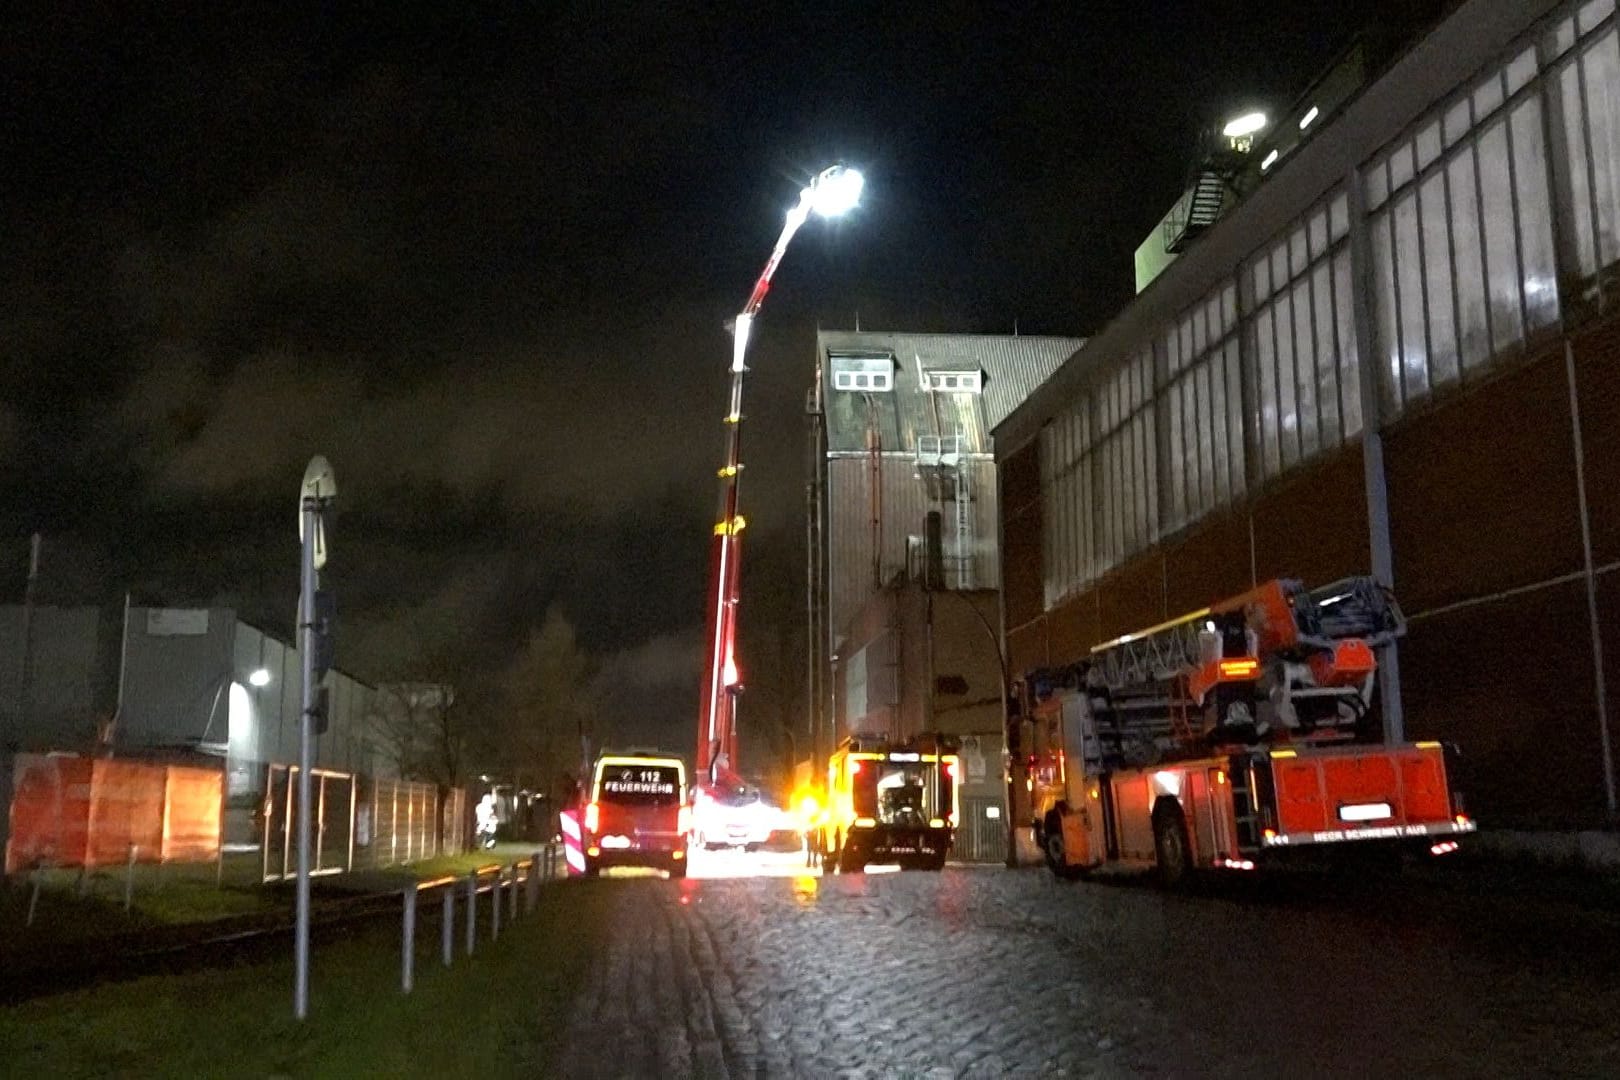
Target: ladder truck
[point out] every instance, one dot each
(1235, 737)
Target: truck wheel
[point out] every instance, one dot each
(934, 862)
(850, 863)
(1174, 857)
(1056, 854)
(677, 870)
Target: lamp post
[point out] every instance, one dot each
(315, 497)
(834, 191)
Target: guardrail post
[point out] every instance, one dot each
(33, 899)
(407, 956)
(495, 905)
(472, 910)
(534, 880)
(512, 895)
(447, 931)
(129, 877)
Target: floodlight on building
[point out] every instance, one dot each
(1240, 127)
(1270, 160)
(259, 677)
(1309, 117)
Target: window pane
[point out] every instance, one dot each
(1388, 343)
(1377, 185)
(1349, 364)
(1409, 271)
(1287, 409)
(1327, 361)
(1457, 122)
(1319, 233)
(1220, 461)
(1595, 12)
(1487, 97)
(1176, 467)
(1206, 441)
(1234, 419)
(1305, 365)
(1400, 167)
(1297, 254)
(1535, 214)
(1602, 76)
(1428, 144)
(1437, 280)
(1474, 330)
(1501, 244)
(1265, 353)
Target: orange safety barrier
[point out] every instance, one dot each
(78, 811)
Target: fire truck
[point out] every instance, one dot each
(1233, 738)
(890, 802)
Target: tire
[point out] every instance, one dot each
(592, 870)
(1054, 849)
(677, 870)
(934, 863)
(1173, 854)
(850, 863)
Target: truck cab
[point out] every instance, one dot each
(890, 804)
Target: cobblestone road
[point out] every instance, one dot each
(986, 972)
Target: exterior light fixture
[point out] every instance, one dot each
(259, 677)
(1270, 160)
(836, 191)
(1244, 126)
(1309, 117)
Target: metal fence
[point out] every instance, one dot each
(334, 795)
(359, 821)
(982, 836)
(405, 820)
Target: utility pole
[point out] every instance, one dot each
(319, 489)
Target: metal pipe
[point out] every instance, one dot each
(447, 929)
(306, 755)
(407, 953)
(472, 910)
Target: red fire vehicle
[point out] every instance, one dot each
(1234, 737)
(637, 815)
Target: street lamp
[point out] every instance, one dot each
(259, 677)
(834, 191)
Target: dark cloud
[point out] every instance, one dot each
(482, 259)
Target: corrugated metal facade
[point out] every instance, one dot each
(905, 506)
(1011, 367)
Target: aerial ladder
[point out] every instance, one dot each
(1231, 737)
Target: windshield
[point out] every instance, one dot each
(897, 794)
(639, 784)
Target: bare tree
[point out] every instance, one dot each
(538, 732)
(422, 728)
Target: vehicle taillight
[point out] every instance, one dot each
(683, 822)
(593, 816)
(1246, 667)
(950, 769)
(854, 767)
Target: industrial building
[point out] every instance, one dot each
(1396, 353)
(900, 430)
(180, 685)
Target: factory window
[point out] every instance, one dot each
(1067, 538)
(1461, 237)
(956, 382)
(1305, 370)
(862, 373)
(1584, 107)
(1201, 410)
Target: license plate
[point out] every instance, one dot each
(1377, 811)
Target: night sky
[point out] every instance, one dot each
(482, 256)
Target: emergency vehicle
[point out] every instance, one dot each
(890, 803)
(637, 814)
(1232, 738)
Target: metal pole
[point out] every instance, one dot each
(129, 878)
(512, 896)
(534, 880)
(447, 931)
(472, 910)
(495, 904)
(408, 940)
(306, 659)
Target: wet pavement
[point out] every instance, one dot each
(989, 972)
